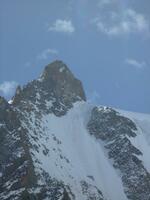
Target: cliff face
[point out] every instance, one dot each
(115, 131)
(16, 167)
(56, 85)
(54, 145)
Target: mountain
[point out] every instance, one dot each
(55, 145)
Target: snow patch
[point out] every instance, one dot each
(61, 69)
(10, 101)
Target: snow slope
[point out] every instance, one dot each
(74, 155)
(68, 153)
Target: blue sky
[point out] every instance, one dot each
(106, 43)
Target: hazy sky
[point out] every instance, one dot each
(106, 43)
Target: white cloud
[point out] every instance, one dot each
(8, 88)
(135, 63)
(64, 26)
(103, 3)
(127, 21)
(44, 54)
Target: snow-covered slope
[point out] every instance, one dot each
(57, 146)
(74, 156)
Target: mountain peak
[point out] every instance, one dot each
(55, 71)
(57, 85)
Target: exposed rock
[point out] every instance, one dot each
(16, 166)
(115, 130)
(56, 87)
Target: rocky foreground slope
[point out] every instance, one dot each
(56, 146)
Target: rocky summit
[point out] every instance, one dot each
(55, 145)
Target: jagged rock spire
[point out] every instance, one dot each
(57, 85)
(61, 78)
